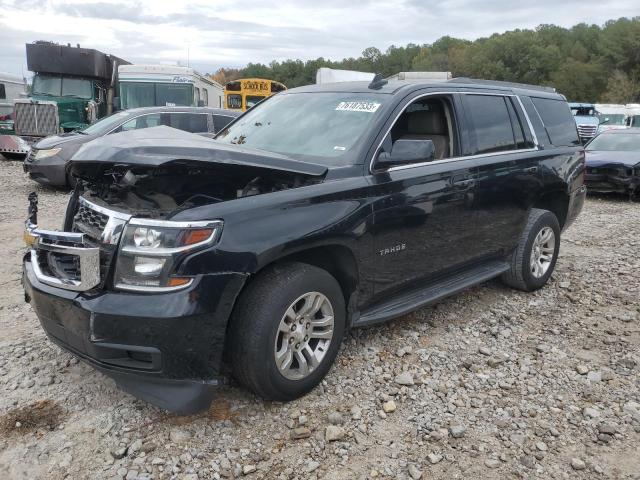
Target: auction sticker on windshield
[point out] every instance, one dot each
(368, 107)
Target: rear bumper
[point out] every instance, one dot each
(163, 348)
(14, 144)
(576, 203)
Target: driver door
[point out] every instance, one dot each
(424, 222)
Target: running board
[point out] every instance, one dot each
(410, 301)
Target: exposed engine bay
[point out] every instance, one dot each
(163, 191)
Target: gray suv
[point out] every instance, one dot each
(47, 160)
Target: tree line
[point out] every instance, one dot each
(587, 63)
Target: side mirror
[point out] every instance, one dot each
(201, 103)
(405, 151)
(116, 103)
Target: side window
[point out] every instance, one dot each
(189, 122)
(196, 96)
(144, 121)
(558, 121)
(3, 93)
(521, 131)
(220, 121)
(205, 96)
(428, 118)
(536, 121)
(491, 123)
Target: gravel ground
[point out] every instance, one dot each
(492, 383)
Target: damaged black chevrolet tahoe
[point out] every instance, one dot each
(321, 209)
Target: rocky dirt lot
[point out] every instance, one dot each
(492, 383)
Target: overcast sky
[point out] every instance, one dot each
(212, 33)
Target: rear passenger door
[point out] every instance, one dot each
(509, 178)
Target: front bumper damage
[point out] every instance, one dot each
(163, 348)
(614, 178)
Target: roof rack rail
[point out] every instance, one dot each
(498, 83)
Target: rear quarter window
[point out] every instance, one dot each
(491, 123)
(558, 121)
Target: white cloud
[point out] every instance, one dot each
(232, 33)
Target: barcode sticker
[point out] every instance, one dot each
(368, 107)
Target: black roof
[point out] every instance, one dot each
(211, 110)
(455, 84)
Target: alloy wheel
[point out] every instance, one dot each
(304, 335)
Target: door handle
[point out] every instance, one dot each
(468, 182)
(531, 170)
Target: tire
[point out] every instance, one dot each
(522, 275)
(259, 330)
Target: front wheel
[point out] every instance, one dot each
(534, 259)
(286, 331)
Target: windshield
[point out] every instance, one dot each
(612, 119)
(148, 94)
(583, 111)
(76, 87)
(615, 142)
(107, 124)
(47, 85)
(62, 87)
(322, 126)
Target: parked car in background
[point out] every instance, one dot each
(586, 119)
(633, 115)
(322, 208)
(611, 116)
(613, 162)
(47, 159)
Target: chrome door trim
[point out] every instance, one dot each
(454, 159)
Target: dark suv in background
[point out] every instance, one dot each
(46, 161)
(323, 208)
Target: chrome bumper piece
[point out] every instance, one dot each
(67, 244)
(86, 249)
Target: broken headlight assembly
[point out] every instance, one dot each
(149, 249)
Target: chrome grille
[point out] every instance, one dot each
(90, 221)
(587, 131)
(37, 119)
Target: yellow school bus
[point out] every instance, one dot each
(245, 93)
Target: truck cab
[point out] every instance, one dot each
(72, 88)
(587, 120)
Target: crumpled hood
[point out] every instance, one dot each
(163, 145)
(599, 158)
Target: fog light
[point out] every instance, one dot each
(148, 266)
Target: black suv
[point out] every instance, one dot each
(321, 209)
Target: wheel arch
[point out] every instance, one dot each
(338, 260)
(557, 202)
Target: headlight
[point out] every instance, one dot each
(149, 250)
(50, 152)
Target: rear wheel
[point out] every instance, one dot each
(534, 259)
(286, 331)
